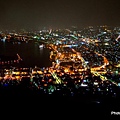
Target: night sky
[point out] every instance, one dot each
(37, 14)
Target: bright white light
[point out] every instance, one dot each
(95, 83)
(40, 46)
(83, 84)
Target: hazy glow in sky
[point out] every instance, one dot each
(36, 14)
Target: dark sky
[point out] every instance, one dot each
(36, 14)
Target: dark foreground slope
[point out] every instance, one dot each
(21, 97)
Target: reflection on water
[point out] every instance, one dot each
(31, 54)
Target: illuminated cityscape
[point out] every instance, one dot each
(68, 51)
(84, 64)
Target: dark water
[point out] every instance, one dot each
(30, 53)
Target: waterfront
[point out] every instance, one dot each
(30, 52)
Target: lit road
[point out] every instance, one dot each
(58, 80)
(93, 70)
